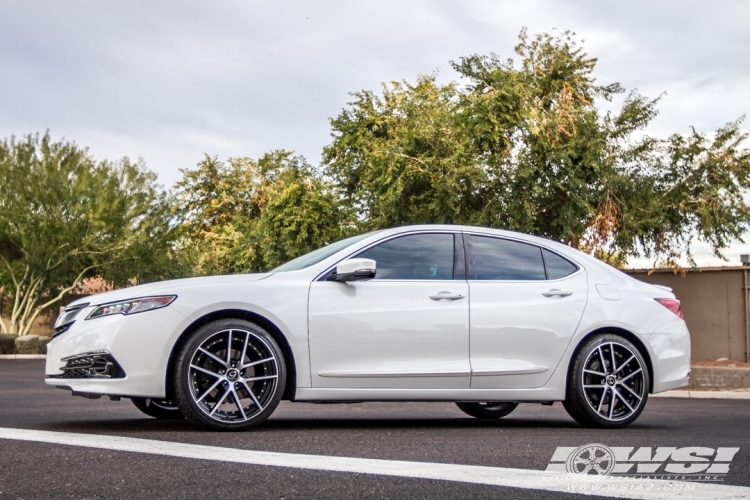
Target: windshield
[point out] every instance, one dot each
(312, 258)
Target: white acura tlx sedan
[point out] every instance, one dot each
(481, 317)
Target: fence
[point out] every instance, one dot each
(715, 305)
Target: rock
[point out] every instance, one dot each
(43, 341)
(27, 344)
(8, 343)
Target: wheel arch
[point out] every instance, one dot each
(263, 322)
(626, 334)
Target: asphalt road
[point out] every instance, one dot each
(423, 432)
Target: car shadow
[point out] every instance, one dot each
(286, 424)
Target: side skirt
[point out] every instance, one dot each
(450, 395)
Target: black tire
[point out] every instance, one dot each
(163, 409)
(229, 359)
(606, 393)
(487, 411)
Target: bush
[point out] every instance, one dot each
(8, 343)
(27, 344)
(43, 341)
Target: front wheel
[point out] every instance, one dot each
(163, 409)
(608, 383)
(487, 411)
(229, 376)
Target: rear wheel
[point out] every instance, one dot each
(229, 376)
(163, 409)
(608, 383)
(487, 411)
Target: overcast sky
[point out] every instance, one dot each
(170, 81)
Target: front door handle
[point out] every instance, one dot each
(446, 296)
(555, 292)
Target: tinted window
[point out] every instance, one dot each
(413, 257)
(557, 267)
(498, 259)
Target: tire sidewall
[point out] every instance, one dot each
(183, 395)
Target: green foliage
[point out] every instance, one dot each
(525, 147)
(246, 215)
(65, 217)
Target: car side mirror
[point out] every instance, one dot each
(354, 270)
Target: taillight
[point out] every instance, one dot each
(671, 304)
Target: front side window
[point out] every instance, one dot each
(413, 257)
(498, 259)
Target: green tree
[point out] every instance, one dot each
(246, 215)
(65, 217)
(525, 147)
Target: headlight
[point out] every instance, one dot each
(132, 306)
(68, 317)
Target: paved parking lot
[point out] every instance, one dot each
(417, 432)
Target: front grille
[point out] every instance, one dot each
(96, 364)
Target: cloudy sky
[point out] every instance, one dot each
(169, 81)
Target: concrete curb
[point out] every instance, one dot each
(703, 394)
(23, 356)
(719, 377)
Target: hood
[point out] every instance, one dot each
(165, 288)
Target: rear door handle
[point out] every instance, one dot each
(446, 296)
(555, 292)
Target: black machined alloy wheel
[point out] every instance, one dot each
(163, 409)
(230, 376)
(608, 383)
(487, 411)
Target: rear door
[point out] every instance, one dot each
(526, 303)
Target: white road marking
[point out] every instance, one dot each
(496, 476)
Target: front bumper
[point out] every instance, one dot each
(137, 351)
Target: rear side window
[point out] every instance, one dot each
(557, 267)
(413, 257)
(498, 259)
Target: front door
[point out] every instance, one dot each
(526, 303)
(406, 328)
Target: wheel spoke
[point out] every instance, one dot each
(595, 386)
(229, 347)
(601, 400)
(252, 396)
(631, 391)
(624, 401)
(244, 350)
(612, 403)
(257, 362)
(613, 368)
(207, 372)
(238, 404)
(253, 379)
(215, 358)
(601, 374)
(219, 402)
(208, 391)
(625, 363)
(601, 358)
(631, 375)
